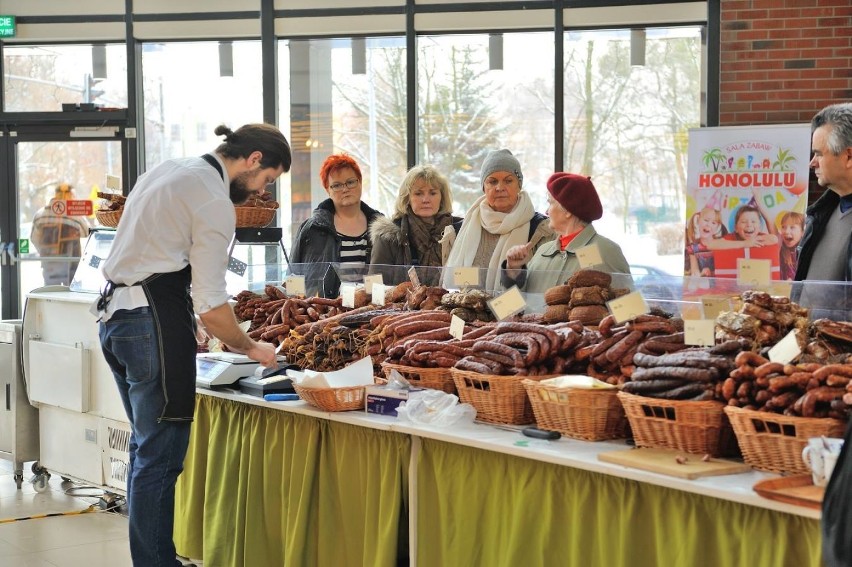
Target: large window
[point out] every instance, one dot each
(345, 95)
(626, 127)
(44, 77)
(472, 100)
(190, 88)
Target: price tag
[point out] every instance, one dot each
(507, 304)
(370, 280)
(456, 327)
(783, 289)
(755, 273)
(379, 293)
(699, 332)
(113, 182)
(465, 277)
(412, 275)
(787, 349)
(589, 256)
(712, 306)
(628, 307)
(295, 285)
(347, 293)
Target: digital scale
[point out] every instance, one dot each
(220, 369)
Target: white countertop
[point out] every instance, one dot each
(566, 452)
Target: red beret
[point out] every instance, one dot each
(577, 194)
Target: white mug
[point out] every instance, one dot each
(820, 456)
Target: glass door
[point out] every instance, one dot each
(54, 180)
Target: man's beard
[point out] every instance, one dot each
(239, 188)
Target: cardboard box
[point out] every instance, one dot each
(384, 401)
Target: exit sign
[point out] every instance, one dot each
(7, 26)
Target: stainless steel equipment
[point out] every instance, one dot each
(18, 419)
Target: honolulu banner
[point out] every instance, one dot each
(746, 198)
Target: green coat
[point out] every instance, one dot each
(549, 267)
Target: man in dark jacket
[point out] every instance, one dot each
(826, 255)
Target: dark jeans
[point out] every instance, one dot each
(157, 448)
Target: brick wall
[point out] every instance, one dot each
(782, 60)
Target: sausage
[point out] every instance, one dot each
(523, 341)
(516, 327)
(645, 386)
(473, 362)
(618, 350)
(604, 345)
(681, 372)
(729, 388)
(514, 357)
(839, 369)
(822, 394)
(751, 358)
(688, 390)
(652, 346)
(769, 368)
(836, 380)
(606, 324)
(336, 302)
(692, 358)
(652, 327)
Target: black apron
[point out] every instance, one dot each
(170, 302)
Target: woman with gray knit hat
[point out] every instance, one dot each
(504, 217)
(573, 205)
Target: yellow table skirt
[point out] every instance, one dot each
(481, 508)
(263, 487)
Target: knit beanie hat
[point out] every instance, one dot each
(501, 160)
(577, 194)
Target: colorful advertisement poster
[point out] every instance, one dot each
(746, 198)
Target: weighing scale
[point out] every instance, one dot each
(220, 369)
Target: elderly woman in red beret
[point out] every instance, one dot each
(573, 205)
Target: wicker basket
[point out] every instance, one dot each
(435, 378)
(497, 399)
(254, 217)
(700, 428)
(333, 399)
(774, 442)
(592, 415)
(109, 218)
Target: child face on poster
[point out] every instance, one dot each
(747, 224)
(709, 223)
(792, 228)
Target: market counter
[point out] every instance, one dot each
(270, 484)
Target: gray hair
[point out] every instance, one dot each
(434, 178)
(839, 117)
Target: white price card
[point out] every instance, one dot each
(756, 273)
(113, 182)
(465, 277)
(456, 327)
(712, 306)
(507, 304)
(379, 293)
(370, 280)
(295, 285)
(347, 293)
(628, 307)
(589, 256)
(699, 332)
(782, 289)
(787, 349)
(412, 275)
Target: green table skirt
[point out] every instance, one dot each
(263, 487)
(480, 508)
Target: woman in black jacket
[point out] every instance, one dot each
(337, 232)
(413, 237)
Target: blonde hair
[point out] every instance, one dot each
(434, 178)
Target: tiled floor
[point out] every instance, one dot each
(94, 539)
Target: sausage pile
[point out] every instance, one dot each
(690, 374)
(806, 389)
(762, 319)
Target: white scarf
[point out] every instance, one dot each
(513, 228)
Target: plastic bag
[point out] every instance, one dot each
(434, 407)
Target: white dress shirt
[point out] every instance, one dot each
(178, 213)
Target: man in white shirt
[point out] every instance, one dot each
(175, 230)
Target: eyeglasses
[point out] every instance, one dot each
(349, 184)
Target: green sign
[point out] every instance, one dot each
(7, 26)
(23, 246)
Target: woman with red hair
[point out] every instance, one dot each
(337, 231)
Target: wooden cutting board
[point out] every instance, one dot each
(664, 461)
